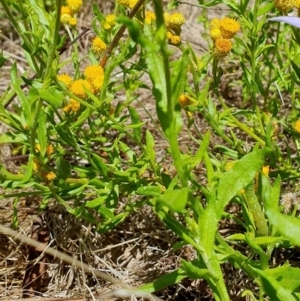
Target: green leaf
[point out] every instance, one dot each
(154, 191)
(42, 133)
(150, 147)
(287, 226)
(175, 200)
(135, 118)
(96, 202)
(288, 277)
(2, 59)
(164, 281)
(273, 289)
(193, 271)
(24, 101)
(63, 168)
(99, 164)
(52, 96)
(238, 177)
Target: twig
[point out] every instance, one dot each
(57, 254)
(119, 34)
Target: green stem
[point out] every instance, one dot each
(238, 123)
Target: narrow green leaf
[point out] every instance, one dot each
(162, 282)
(193, 271)
(99, 164)
(135, 118)
(154, 191)
(42, 133)
(150, 147)
(52, 96)
(96, 202)
(26, 106)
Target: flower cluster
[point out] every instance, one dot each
(221, 31)
(174, 22)
(92, 82)
(286, 5)
(68, 12)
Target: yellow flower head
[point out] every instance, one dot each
(77, 88)
(167, 18)
(297, 126)
(184, 100)
(93, 71)
(222, 47)
(65, 79)
(149, 17)
(284, 5)
(36, 165)
(73, 21)
(37, 148)
(229, 27)
(97, 83)
(214, 24)
(265, 170)
(65, 10)
(65, 19)
(49, 150)
(74, 5)
(297, 4)
(95, 75)
(73, 106)
(176, 20)
(175, 40)
(215, 33)
(110, 21)
(98, 46)
(169, 35)
(50, 176)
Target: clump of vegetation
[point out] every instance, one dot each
(86, 148)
